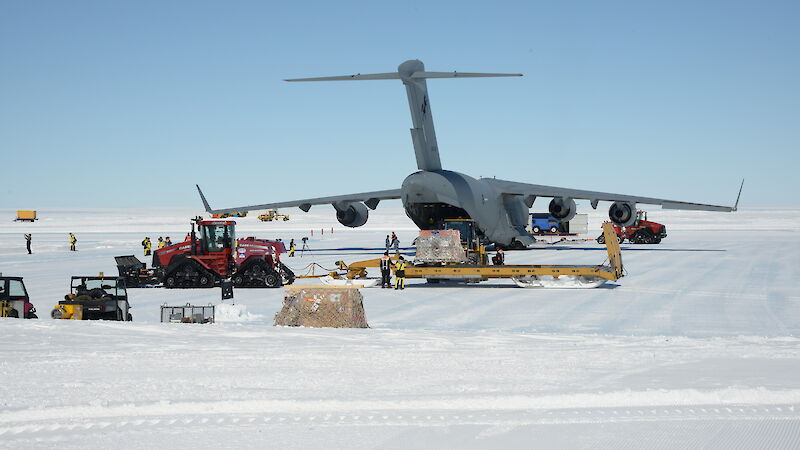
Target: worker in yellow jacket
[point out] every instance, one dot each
(400, 273)
(72, 241)
(161, 243)
(147, 245)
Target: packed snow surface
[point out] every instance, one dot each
(697, 346)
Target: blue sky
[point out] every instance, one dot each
(132, 103)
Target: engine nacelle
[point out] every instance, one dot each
(622, 214)
(562, 209)
(351, 214)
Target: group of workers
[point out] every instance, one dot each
(399, 272)
(393, 242)
(147, 245)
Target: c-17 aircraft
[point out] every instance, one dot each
(431, 195)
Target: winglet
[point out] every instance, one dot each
(203, 198)
(736, 205)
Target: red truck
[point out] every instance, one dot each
(642, 231)
(204, 261)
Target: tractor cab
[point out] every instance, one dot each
(465, 227)
(217, 236)
(14, 300)
(471, 238)
(640, 216)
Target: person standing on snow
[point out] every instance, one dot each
(388, 243)
(400, 274)
(167, 242)
(291, 248)
(161, 243)
(147, 246)
(28, 238)
(395, 244)
(72, 241)
(386, 270)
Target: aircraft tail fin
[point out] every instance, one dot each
(203, 198)
(413, 75)
(736, 205)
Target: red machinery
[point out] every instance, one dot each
(642, 231)
(216, 255)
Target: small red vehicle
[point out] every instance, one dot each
(14, 299)
(642, 231)
(204, 261)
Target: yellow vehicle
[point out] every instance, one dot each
(271, 215)
(231, 214)
(94, 298)
(26, 216)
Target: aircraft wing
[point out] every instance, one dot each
(371, 199)
(531, 191)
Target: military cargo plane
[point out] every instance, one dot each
(432, 195)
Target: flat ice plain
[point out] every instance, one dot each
(696, 347)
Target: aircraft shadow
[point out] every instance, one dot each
(635, 249)
(460, 284)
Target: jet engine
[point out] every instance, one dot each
(351, 214)
(563, 209)
(622, 213)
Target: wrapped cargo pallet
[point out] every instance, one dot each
(322, 307)
(439, 246)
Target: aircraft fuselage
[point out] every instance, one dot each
(432, 196)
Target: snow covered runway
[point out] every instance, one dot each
(696, 347)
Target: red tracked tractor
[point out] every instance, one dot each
(642, 231)
(204, 261)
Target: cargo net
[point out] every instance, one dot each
(439, 246)
(322, 307)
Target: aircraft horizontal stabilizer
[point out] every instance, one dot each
(461, 75)
(416, 75)
(358, 76)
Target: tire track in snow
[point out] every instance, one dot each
(768, 415)
(680, 398)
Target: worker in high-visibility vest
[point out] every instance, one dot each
(147, 246)
(400, 273)
(72, 241)
(161, 243)
(386, 270)
(291, 248)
